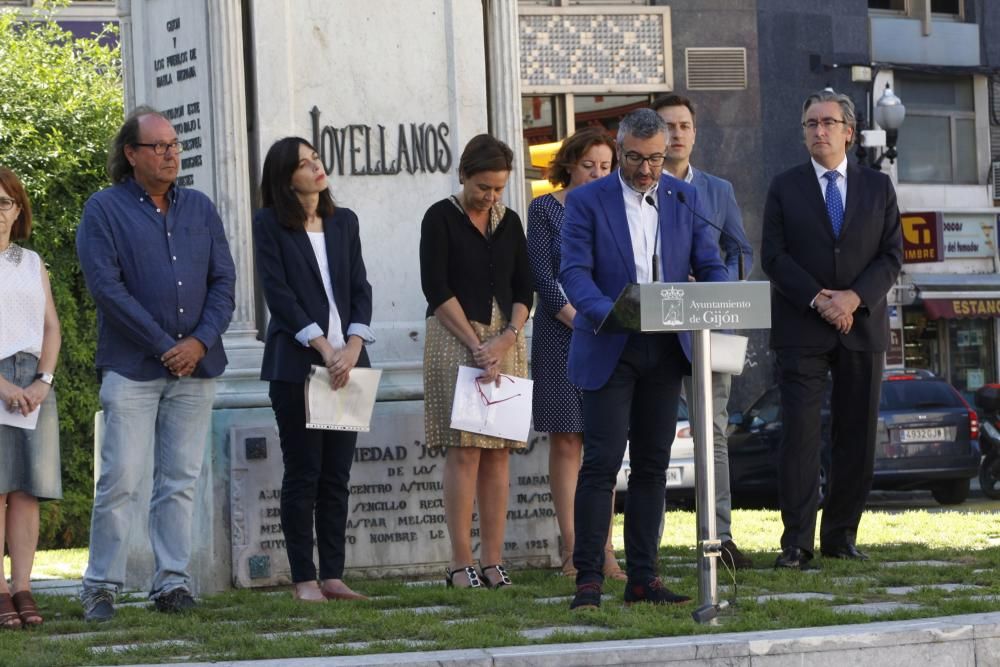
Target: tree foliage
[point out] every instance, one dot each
(61, 101)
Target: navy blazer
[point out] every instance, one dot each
(597, 262)
(801, 256)
(718, 203)
(293, 288)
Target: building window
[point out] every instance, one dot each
(917, 8)
(937, 143)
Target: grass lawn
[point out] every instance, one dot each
(256, 624)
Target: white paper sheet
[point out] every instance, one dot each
(503, 412)
(8, 418)
(346, 409)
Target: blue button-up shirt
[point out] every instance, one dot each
(156, 279)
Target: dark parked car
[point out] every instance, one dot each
(927, 439)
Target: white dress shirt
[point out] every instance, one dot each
(641, 229)
(841, 182)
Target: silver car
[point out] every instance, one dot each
(680, 473)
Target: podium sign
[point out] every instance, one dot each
(651, 307)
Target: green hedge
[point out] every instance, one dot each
(61, 100)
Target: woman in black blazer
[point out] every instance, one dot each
(308, 255)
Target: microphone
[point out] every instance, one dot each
(656, 258)
(739, 248)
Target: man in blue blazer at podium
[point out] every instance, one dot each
(628, 227)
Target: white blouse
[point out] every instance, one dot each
(335, 334)
(22, 302)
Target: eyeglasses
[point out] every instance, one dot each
(6, 203)
(161, 148)
(634, 159)
(827, 123)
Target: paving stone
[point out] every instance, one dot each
(79, 636)
(316, 632)
(545, 633)
(874, 608)
(67, 587)
(381, 598)
(425, 582)
(801, 597)
(122, 648)
(927, 563)
(457, 621)
(985, 598)
(850, 581)
(411, 643)
(950, 588)
(434, 609)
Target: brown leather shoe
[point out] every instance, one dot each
(733, 558)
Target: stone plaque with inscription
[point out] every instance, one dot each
(176, 80)
(396, 524)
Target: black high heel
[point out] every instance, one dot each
(470, 572)
(504, 577)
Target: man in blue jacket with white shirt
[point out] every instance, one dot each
(718, 204)
(616, 230)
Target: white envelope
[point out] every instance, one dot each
(503, 412)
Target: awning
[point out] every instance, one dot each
(952, 296)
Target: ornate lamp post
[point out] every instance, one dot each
(889, 113)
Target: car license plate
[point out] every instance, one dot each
(921, 434)
(675, 476)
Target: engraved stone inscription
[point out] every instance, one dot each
(396, 522)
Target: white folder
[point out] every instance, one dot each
(501, 411)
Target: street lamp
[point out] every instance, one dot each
(889, 113)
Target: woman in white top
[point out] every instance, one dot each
(308, 256)
(29, 425)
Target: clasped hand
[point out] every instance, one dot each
(23, 400)
(837, 308)
(339, 363)
(182, 358)
(488, 355)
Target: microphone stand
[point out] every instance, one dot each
(739, 248)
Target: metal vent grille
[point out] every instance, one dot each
(996, 179)
(716, 68)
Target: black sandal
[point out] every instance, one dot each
(470, 572)
(504, 577)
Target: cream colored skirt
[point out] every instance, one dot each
(443, 354)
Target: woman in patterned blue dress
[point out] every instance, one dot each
(556, 405)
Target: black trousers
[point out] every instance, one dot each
(638, 403)
(315, 486)
(857, 380)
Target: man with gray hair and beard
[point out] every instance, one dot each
(157, 263)
(628, 227)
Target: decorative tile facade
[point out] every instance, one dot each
(595, 51)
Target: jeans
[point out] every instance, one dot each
(638, 402)
(721, 384)
(166, 420)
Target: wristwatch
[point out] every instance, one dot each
(47, 378)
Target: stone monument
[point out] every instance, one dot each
(389, 93)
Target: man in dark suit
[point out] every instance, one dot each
(718, 203)
(832, 249)
(615, 231)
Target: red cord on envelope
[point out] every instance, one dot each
(487, 402)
